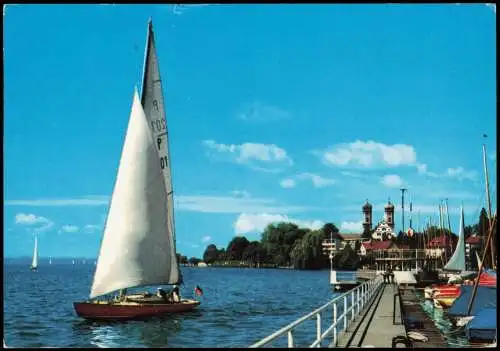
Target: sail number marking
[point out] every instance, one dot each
(158, 125)
(163, 159)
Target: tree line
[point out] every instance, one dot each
(281, 245)
(285, 244)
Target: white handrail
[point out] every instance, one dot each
(364, 292)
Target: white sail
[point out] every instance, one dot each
(34, 263)
(136, 248)
(50, 260)
(154, 108)
(457, 260)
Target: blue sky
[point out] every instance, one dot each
(275, 112)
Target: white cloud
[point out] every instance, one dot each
(259, 112)
(252, 223)
(317, 180)
(492, 6)
(287, 183)
(368, 154)
(69, 228)
(31, 220)
(228, 204)
(351, 227)
(206, 238)
(493, 156)
(91, 200)
(460, 173)
(254, 155)
(392, 181)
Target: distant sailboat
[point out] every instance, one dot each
(138, 245)
(34, 263)
(73, 262)
(50, 260)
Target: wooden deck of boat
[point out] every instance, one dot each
(411, 307)
(375, 327)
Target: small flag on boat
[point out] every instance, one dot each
(198, 291)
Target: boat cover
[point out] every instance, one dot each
(486, 297)
(484, 325)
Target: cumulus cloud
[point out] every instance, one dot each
(252, 223)
(254, 155)
(392, 181)
(206, 238)
(69, 228)
(37, 223)
(368, 154)
(287, 183)
(351, 227)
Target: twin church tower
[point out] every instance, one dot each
(388, 217)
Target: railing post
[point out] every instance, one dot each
(318, 328)
(290, 339)
(357, 300)
(345, 312)
(335, 323)
(352, 305)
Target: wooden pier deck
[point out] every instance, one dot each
(393, 312)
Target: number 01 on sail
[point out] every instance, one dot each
(138, 245)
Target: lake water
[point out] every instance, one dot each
(239, 307)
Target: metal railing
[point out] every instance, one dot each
(359, 297)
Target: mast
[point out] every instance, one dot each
(476, 283)
(493, 264)
(403, 212)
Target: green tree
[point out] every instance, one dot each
(236, 247)
(483, 224)
(194, 261)
(347, 259)
(254, 252)
(210, 254)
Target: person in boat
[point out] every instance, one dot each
(162, 293)
(176, 296)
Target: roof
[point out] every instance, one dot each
(350, 236)
(439, 241)
(474, 240)
(377, 245)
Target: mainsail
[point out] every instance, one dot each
(136, 248)
(34, 263)
(457, 260)
(154, 109)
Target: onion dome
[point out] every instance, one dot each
(367, 205)
(389, 205)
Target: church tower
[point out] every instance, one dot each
(389, 214)
(367, 212)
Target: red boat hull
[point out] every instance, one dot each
(115, 311)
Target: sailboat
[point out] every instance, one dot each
(138, 245)
(34, 263)
(50, 260)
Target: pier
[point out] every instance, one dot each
(373, 314)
